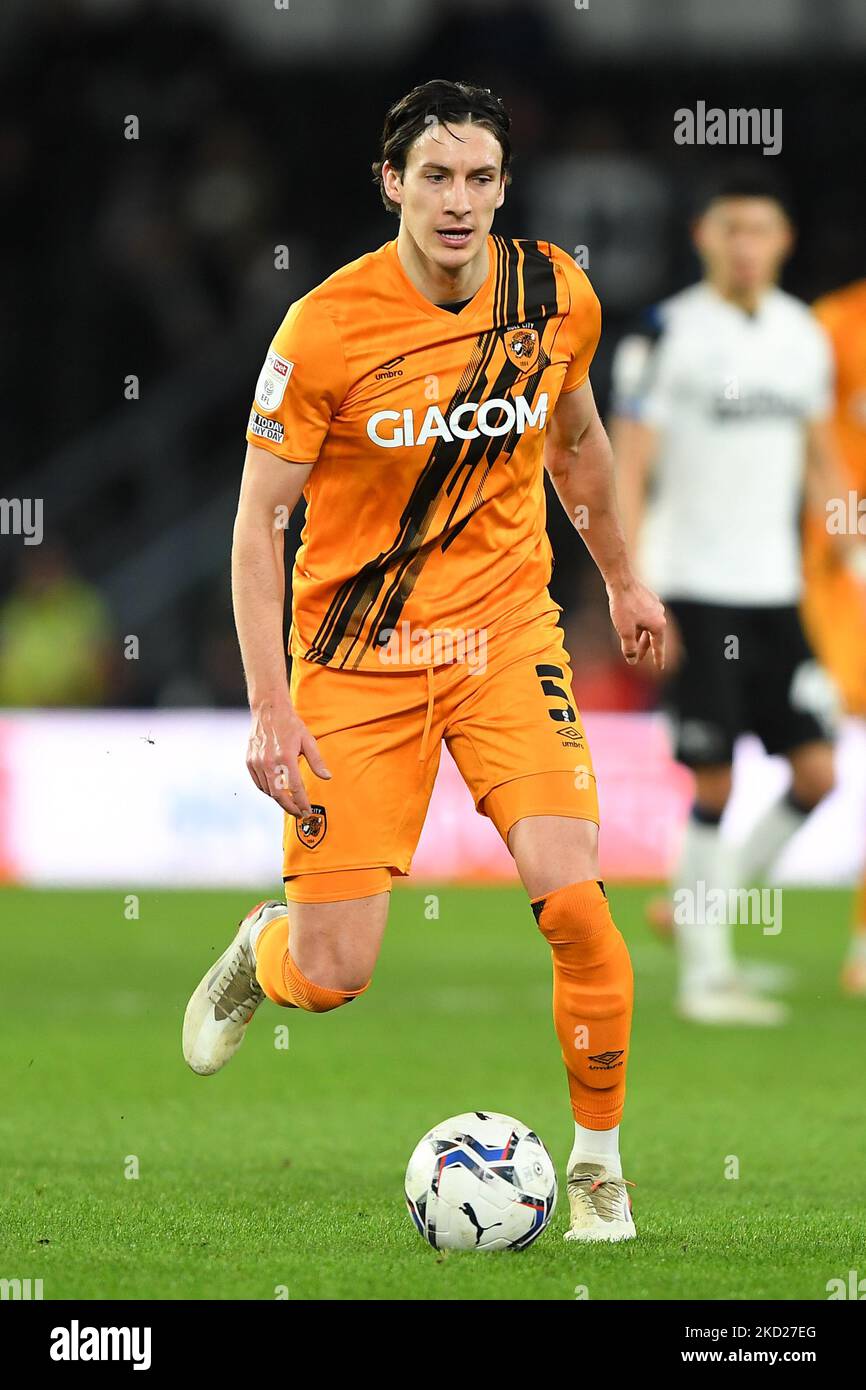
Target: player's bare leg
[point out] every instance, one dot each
(557, 858)
(812, 773)
(334, 947)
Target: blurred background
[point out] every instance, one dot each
(142, 278)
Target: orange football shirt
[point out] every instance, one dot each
(426, 505)
(833, 608)
(843, 315)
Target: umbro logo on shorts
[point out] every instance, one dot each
(311, 829)
(571, 736)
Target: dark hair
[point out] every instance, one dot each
(443, 101)
(743, 181)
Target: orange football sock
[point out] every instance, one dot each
(593, 993)
(283, 982)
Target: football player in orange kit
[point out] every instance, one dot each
(834, 600)
(415, 398)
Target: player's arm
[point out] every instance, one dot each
(634, 447)
(270, 490)
(579, 460)
(638, 394)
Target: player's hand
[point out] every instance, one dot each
(675, 650)
(639, 618)
(277, 740)
(674, 646)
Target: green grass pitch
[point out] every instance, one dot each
(284, 1172)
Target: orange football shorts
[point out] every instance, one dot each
(501, 700)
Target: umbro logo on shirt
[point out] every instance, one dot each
(388, 369)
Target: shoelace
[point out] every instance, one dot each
(240, 1009)
(607, 1200)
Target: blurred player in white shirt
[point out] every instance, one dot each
(721, 402)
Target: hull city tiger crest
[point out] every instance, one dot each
(521, 347)
(311, 829)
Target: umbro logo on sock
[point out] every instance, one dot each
(606, 1061)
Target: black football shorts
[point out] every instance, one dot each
(744, 670)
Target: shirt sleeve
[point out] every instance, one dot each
(301, 385)
(584, 326)
(639, 375)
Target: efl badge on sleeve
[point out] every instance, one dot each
(521, 347)
(271, 385)
(311, 829)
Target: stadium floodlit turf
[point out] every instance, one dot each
(283, 1174)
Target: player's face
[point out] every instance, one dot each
(743, 242)
(450, 189)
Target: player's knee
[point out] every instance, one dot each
(334, 938)
(342, 980)
(712, 790)
(327, 989)
(815, 792)
(812, 785)
(574, 916)
(333, 970)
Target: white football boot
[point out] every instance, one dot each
(600, 1204)
(217, 1015)
(764, 977)
(752, 975)
(731, 1004)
